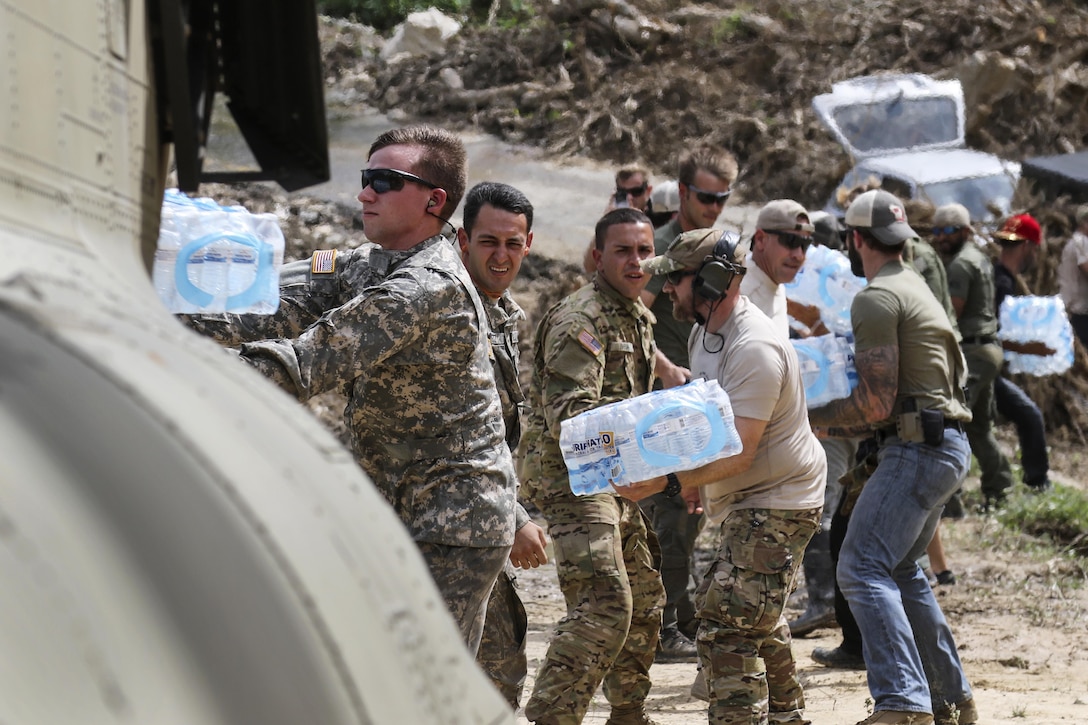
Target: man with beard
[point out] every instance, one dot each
(910, 372)
(593, 348)
(1021, 239)
(766, 499)
(971, 288)
(705, 176)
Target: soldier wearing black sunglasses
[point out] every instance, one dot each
(401, 326)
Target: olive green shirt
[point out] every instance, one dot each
(896, 308)
(971, 278)
(670, 334)
(926, 262)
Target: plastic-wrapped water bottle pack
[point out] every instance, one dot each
(825, 281)
(212, 258)
(827, 368)
(1031, 318)
(661, 432)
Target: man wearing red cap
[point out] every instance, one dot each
(1073, 276)
(1020, 239)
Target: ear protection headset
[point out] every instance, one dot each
(717, 271)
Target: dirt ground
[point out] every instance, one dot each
(1019, 619)
(618, 82)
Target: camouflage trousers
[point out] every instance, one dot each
(614, 598)
(502, 648)
(744, 639)
(465, 576)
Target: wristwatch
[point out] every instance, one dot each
(673, 486)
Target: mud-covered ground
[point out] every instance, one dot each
(619, 82)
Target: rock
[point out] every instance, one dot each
(422, 33)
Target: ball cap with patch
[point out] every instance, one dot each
(687, 251)
(781, 215)
(883, 215)
(952, 215)
(1020, 228)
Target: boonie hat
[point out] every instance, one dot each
(952, 215)
(883, 215)
(1020, 228)
(665, 197)
(687, 251)
(781, 215)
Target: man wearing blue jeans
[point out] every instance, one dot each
(910, 398)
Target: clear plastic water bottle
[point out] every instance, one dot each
(826, 282)
(217, 259)
(826, 368)
(1037, 319)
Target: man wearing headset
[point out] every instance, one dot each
(767, 499)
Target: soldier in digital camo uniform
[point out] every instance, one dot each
(401, 327)
(495, 238)
(593, 348)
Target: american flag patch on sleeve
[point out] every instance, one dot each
(323, 261)
(589, 342)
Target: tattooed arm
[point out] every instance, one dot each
(871, 401)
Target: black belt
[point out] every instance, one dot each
(980, 340)
(889, 431)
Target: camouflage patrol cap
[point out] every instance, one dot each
(687, 251)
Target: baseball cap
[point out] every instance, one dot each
(1082, 213)
(781, 215)
(827, 230)
(952, 215)
(1020, 228)
(687, 251)
(882, 214)
(666, 197)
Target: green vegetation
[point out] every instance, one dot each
(383, 15)
(1059, 515)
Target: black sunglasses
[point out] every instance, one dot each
(676, 276)
(633, 191)
(945, 230)
(385, 180)
(710, 197)
(793, 241)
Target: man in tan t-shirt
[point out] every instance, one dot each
(768, 506)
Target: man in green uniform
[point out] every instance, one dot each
(495, 238)
(971, 288)
(705, 177)
(592, 348)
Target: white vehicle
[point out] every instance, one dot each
(180, 542)
(907, 131)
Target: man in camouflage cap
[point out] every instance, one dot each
(401, 327)
(592, 348)
(767, 499)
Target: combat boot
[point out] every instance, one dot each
(629, 715)
(895, 717)
(675, 647)
(838, 658)
(962, 713)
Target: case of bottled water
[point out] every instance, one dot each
(212, 258)
(826, 282)
(1031, 318)
(661, 432)
(827, 368)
